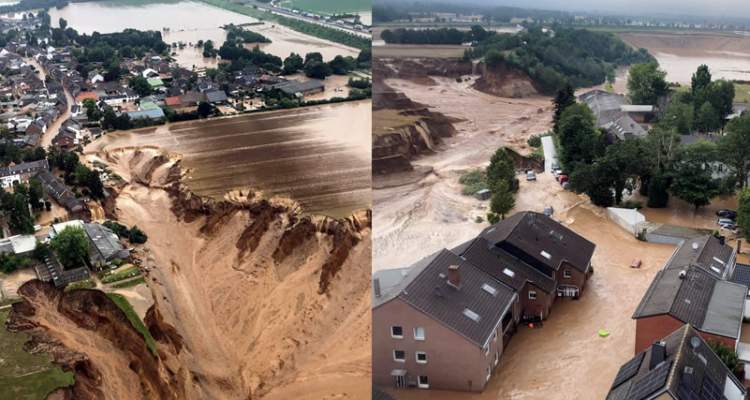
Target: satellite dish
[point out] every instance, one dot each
(695, 342)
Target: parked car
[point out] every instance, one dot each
(731, 214)
(723, 221)
(563, 179)
(530, 175)
(731, 227)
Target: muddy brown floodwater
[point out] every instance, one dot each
(319, 156)
(680, 53)
(416, 219)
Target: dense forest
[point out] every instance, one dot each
(433, 36)
(554, 58)
(235, 33)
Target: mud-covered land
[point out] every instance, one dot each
(319, 156)
(252, 298)
(406, 125)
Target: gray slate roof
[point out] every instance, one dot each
(294, 87)
(532, 233)
(105, 242)
(31, 167)
(698, 298)
(430, 293)
(690, 371)
(706, 252)
(495, 261)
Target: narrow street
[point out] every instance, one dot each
(46, 139)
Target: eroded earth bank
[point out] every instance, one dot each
(252, 299)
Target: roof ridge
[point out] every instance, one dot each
(678, 356)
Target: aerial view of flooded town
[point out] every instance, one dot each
(203, 199)
(560, 200)
(185, 199)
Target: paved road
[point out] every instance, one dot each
(287, 13)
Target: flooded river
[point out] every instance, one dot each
(187, 22)
(680, 54)
(319, 156)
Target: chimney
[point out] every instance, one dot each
(658, 354)
(722, 240)
(376, 287)
(454, 276)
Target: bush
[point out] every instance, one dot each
(473, 181)
(535, 141)
(493, 218)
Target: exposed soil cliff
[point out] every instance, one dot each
(252, 298)
(403, 128)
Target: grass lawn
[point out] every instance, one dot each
(330, 6)
(741, 93)
(130, 283)
(134, 319)
(121, 274)
(25, 376)
(84, 284)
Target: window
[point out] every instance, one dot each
(419, 333)
(546, 255)
(399, 355)
(421, 357)
(423, 382)
(497, 357)
(567, 274)
(471, 315)
(509, 272)
(494, 337)
(397, 332)
(489, 289)
(487, 350)
(489, 373)
(532, 294)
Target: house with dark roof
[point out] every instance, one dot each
(299, 89)
(679, 366)
(20, 173)
(440, 324)
(540, 250)
(693, 288)
(614, 114)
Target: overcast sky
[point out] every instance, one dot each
(711, 8)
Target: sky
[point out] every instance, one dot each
(709, 8)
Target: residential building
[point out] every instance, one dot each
(440, 324)
(692, 288)
(19, 245)
(299, 89)
(21, 173)
(104, 245)
(613, 114)
(680, 366)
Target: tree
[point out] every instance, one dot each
(493, 58)
(208, 49)
(317, 69)
(140, 85)
(204, 109)
(707, 119)
(501, 171)
(721, 96)
(502, 199)
(565, 97)
(16, 207)
(315, 56)
(292, 64)
(646, 83)
(700, 80)
(679, 116)
(71, 247)
(743, 211)
(341, 65)
(658, 191)
(733, 148)
(693, 180)
(577, 135)
(727, 354)
(63, 23)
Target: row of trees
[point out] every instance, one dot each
(314, 66)
(569, 56)
(435, 36)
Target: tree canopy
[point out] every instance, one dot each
(71, 246)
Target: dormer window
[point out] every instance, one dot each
(546, 255)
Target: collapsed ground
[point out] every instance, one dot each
(252, 300)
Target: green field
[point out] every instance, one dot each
(741, 93)
(25, 376)
(329, 6)
(134, 319)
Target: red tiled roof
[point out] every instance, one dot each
(172, 101)
(86, 95)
